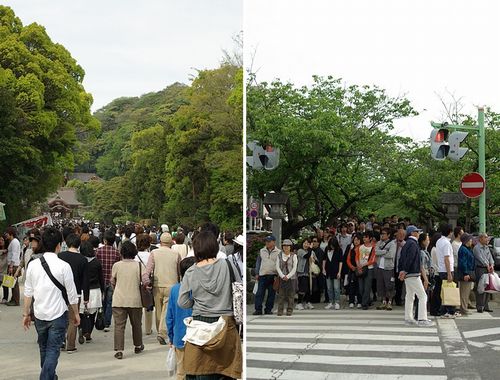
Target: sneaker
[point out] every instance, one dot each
(119, 355)
(365, 307)
(299, 306)
(268, 312)
(382, 306)
(359, 306)
(337, 306)
(139, 349)
(106, 329)
(5, 301)
(12, 303)
(425, 323)
(257, 312)
(71, 350)
(289, 313)
(389, 306)
(351, 306)
(309, 306)
(279, 314)
(410, 322)
(448, 316)
(329, 306)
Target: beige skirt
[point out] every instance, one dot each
(221, 355)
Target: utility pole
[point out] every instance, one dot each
(440, 149)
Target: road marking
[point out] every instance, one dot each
(482, 332)
(406, 338)
(348, 347)
(347, 360)
(477, 344)
(319, 321)
(494, 342)
(458, 356)
(426, 330)
(263, 373)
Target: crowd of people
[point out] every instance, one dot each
(381, 265)
(77, 277)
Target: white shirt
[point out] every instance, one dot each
(49, 302)
(443, 249)
(14, 253)
(456, 246)
(220, 254)
(144, 255)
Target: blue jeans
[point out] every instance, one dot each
(333, 286)
(265, 283)
(108, 311)
(51, 336)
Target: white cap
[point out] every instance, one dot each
(164, 228)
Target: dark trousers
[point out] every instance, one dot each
(353, 288)
(5, 293)
(135, 316)
(286, 295)
(398, 300)
(265, 283)
(481, 299)
(107, 309)
(51, 335)
(365, 288)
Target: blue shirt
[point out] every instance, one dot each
(176, 328)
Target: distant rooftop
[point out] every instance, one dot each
(67, 194)
(84, 177)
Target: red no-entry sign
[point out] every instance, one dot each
(472, 185)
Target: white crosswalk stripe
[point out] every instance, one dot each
(483, 338)
(345, 344)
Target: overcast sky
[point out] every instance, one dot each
(418, 48)
(131, 47)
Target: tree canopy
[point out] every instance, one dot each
(44, 112)
(338, 157)
(174, 156)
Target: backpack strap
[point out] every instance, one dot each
(45, 266)
(231, 272)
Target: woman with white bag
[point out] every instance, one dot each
(213, 346)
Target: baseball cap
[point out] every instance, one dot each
(270, 238)
(411, 229)
(287, 242)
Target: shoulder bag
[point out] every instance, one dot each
(146, 294)
(54, 280)
(237, 292)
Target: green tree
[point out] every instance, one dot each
(334, 143)
(43, 110)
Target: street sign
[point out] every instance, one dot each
(254, 213)
(254, 205)
(472, 185)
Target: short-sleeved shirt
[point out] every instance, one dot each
(443, 249)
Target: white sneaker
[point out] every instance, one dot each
(309, 306)
(410, 322)
(299, 306)
(351, 306)
(359, 306)
(337, 306)
(329, 306)
(425, 323)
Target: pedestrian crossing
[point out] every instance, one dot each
(484, 338)
(342, 344)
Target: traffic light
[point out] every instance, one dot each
(439, 144)
(456, 153)
(263, 157)
(272, 158)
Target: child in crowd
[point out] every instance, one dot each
(176, 328)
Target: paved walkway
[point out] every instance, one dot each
(20, 355)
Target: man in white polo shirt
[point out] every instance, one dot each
(446, 263)
(51, 310)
